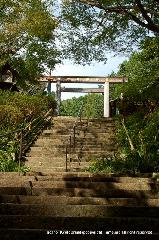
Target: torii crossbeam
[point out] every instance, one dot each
(82, 79)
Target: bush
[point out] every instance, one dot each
(16, 111)
(144, 134)
(10, 117)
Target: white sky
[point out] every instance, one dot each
(97, 69)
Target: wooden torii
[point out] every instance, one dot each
(82, 79)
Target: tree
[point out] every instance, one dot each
(96, 26)
(137, 133)
(92, 106)
(142, 71)
(27, 40)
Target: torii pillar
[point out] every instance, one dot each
(49, 87)
(106, 100)
(58, 95)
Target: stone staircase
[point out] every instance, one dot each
(33, 204)
(93, 138)
(50, 200)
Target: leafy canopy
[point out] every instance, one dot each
(142, 71)
(27, 40)
(93, 27)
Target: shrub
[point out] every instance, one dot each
(16, 111)
(144, 134)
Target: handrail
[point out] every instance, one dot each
(22, 134)
(69, 146)
(79, 115)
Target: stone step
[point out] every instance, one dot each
(48, 161)
(91, 177)
(41, 159)
(48, 169)
(65, 131)
(79, 223)
(45, 165)
(58, 210)
(89, 156)
(98, 186)
(101, 135)
(64, 118)
(61, 169)
(55, 153)
(98, 123)
(79, 143)
(46, 154)
(53, 140)
(70, 128)
(80, 189)
(94, 188)
(62, 200)
(83, 156)
(70, 192)
(58, 164)
(71, 118)
(85, 176)
(51, 149)
(10, 176)
(95, 130)
(65, 138)
(50, 137)
(100, 120)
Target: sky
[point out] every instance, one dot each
(96, 69)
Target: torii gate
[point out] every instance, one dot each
(82, 79)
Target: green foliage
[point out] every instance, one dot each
(142, 71)
(70, 107)
(27, 41)
(17, 109)
(10, 115)
(144, 134)
(141, 101)
(8, 164)
(92, 106)
(143, 131)
(93, 28)
(113, 165)
(16, 112)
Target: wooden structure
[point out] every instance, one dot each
(82, 79)
(83, 90)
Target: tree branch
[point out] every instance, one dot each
(124, 10)
(146, 17)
